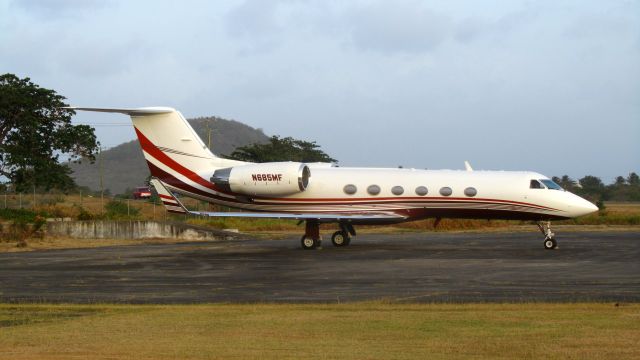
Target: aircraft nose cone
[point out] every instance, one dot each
(582, 207)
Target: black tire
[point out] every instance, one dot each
(550, 244)
(309, 243)
(340, 238)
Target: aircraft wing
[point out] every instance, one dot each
(173, 205)
(322, 217)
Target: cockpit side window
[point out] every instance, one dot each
(535, 184)
(551, 184)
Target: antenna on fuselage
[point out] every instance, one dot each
(467, 166)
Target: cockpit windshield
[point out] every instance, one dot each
(551, 185)
(535, 184)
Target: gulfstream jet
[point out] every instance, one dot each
(319, 193)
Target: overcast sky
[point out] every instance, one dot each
(550, 86)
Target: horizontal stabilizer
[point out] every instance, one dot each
(170, 202)
(131, 112)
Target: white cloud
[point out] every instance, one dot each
(398, 27)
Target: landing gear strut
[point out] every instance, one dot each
(549, 237)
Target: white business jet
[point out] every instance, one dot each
(320, 193)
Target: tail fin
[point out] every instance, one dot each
(170, 202)
(165, 129)
(173, 150)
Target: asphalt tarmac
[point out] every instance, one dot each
(413, 267)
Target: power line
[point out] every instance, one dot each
(104, 124)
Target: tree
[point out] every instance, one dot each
(565, 181)
(623, 189)
(35, 131)
(282, 149)
(591, 183)
(593, 188)
(633, 179)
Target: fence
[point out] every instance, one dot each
(81, 205)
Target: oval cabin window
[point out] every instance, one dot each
(470, 191)
(397, 190)
(373, 189)
(350, 189)
(422, 190)
(446, 191)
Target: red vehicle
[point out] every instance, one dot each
(142, 192)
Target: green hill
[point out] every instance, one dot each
(123, 166)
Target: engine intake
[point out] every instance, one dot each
(266, 179)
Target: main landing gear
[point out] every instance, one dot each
(342, 237)
(312, 239)
(549, 237)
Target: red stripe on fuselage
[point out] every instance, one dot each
(153, 150)
(173, 181)
(386, 200)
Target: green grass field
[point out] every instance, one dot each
(375, 330)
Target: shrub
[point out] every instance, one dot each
(19, 215)
(118, 210)
(83, 214)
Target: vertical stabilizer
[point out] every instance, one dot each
(174, 152)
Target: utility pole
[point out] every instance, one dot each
(33, 206)
(101, 180)
(209, 134)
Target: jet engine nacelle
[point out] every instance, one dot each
(266, 179)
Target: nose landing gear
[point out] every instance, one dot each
(550, 244)
(549, 237)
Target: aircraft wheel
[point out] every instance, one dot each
(550, 244)
(309, 243)
(340, 238)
